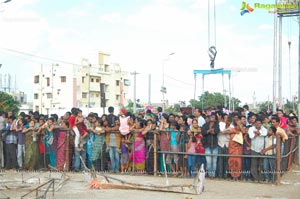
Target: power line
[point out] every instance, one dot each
(39, 57)
(179, 80)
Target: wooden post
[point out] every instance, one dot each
(67, 155)
(291, 154)
(155, 154)
(278, 158)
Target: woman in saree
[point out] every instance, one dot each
(164, 136)
(61, 145)
(98, 144)
(50, 142)
(139, 148)
(31, 147)
(235, 147)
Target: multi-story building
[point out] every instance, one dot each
(60, 87)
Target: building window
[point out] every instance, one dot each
(106, 68)
(117, 97)
(126, 82)
(118, 82)
(49, 95)
(84, 95)
(36, 96)
(92, 79)
(37, 108)
(82, 80)
(48, 81)
(63, 79)
(36, 79)
(97, 95)
(98, 80)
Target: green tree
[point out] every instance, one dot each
(267, 105)
(129, 107)
(213, 100)
(8, 103)
(173, 109)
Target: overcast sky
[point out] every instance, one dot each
(140, 34)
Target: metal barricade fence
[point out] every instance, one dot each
(283, 158)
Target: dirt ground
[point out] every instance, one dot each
(11, 186)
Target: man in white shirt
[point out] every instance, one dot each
(257, 135)
(201, 120)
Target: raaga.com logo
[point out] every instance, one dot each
(285, 6)
(246, 8)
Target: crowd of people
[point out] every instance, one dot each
(126, 142)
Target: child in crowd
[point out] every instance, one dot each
(199, 149)
(124, 124)
(174, 139)
(269, 150)
(79, 122)
(191, 158)
(124, 155)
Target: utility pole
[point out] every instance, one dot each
(134, 91)
(290, 72)
(280, 63)
(275, 63)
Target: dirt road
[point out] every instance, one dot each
(77, 187)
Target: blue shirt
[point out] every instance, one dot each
(173, 135)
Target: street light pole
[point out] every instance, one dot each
(163, 88)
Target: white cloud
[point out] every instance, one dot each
(201, 4)
(232, 8)
(111, 18)
(266, 27)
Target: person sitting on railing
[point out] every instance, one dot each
(79, 122)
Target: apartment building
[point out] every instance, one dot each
(60, 87)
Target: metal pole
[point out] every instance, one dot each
(67, 154)
(155, 155)
(278, 158)
(134, 93)
(290, 71)
(275, 62)
(163, 86)
(280, 63)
